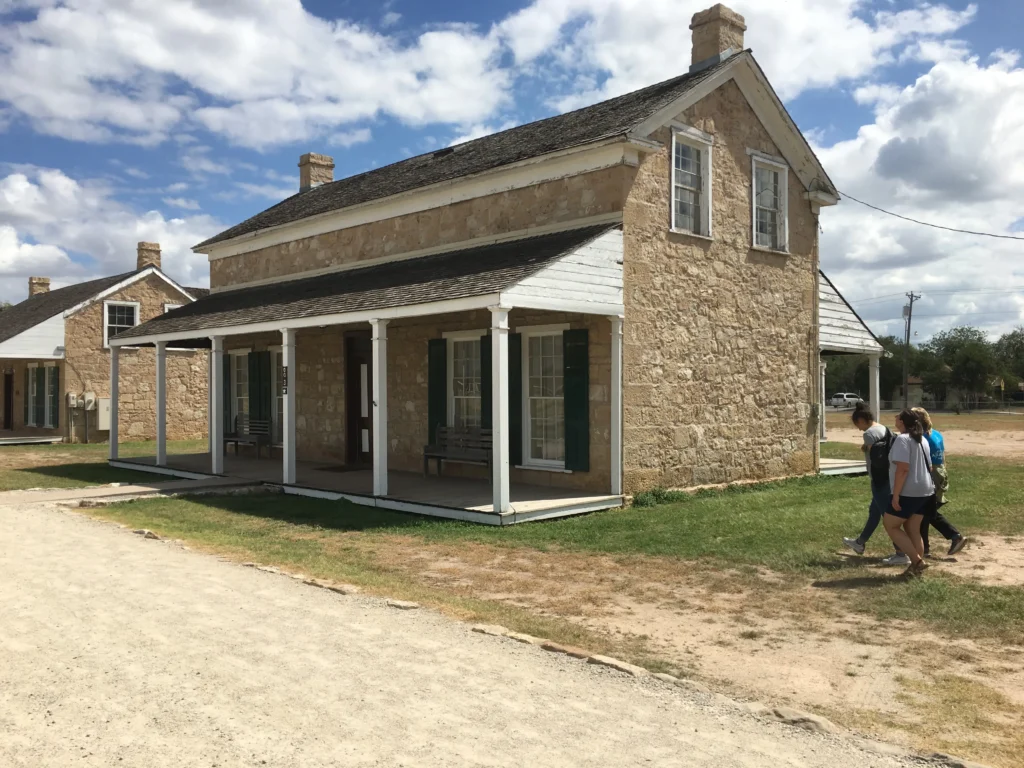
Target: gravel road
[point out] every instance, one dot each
(121, 651)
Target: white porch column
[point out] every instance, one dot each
(380, 407)
(874, 386)
(161, 403)
(616, 398)
(217, 402)
(823, 430)
(499, 407)
(113, 401)
(288, 422)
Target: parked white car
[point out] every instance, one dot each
(844, 399)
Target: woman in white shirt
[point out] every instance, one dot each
(911, 482)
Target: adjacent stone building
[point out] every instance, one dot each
(56, 361)
(621, 297)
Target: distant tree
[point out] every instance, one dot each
(946, 344)
(1009, 352)
(972, 369)
(5, 305)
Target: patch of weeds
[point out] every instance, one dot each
(751, 634)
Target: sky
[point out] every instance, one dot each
(128, 120)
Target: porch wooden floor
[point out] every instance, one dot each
(457, 497)
(843, 467)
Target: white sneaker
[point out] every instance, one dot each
(896, 558)
(853, 544)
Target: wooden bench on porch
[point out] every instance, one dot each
(249, 432)
(467, 446)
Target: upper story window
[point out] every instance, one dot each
(769, 212)
(691, 181)
(118, 316)
(169, 307)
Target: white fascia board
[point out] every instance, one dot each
(557, 305)
(615, 217)
(769, 110)
(341, 318)
(124, 284)
(535, 170)
(869, 348)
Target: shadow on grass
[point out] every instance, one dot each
(69, 476)
(860, 582)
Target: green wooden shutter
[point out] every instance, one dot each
(229, 426)
(486, 418)
(437, 386)
(40, 402)
(259, 385)
(515, 399)
(24, 393)
(576, 397)
(55, 397)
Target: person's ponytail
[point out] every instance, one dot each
(912, 423)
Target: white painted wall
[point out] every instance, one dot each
(42, 341)
(841, 329)
(590, 275)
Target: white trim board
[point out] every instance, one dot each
(606, 218)
(535, 170)
(124, 284)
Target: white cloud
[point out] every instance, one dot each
(929, 157)
(197, 160)
(478, 131)
(269, 191)
(137, 173)
(133, 70)
(390, 18)
(178, 186)
(350, 138)
(47, 217)
(182, 202)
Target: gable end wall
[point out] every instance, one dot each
(720, 348)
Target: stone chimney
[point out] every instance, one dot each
(315, 170)
(37, 285)
(149, 255)
(715, 31)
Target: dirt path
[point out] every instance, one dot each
(117, 650)
(1003, 444)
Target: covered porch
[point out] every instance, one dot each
(359, 351)
(458, 498)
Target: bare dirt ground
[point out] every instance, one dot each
(738, 631)
(117, 650)
(1004, 444)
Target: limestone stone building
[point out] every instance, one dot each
(55, 359)
(619, 297)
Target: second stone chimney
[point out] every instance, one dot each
(149, 255)
(715, 31)
(37, 285)
(315, 170)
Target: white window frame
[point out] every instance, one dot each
(30, 396)
(777, 164)
(48, 401)
(169, 307)
(106, 317)
(527, 332)
(703, 142)
(233, 405)
(449, 337)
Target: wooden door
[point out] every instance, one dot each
(8, 401)
(358, 399)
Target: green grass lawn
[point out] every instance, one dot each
(792, 527)
(63, 465)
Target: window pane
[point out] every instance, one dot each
(688, 188)
(466, 383)
(546, 421)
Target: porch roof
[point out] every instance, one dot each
(458, 274)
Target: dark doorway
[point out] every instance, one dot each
(358, 399)
(8, 401)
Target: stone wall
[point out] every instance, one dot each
(720, 348)
(87, 369)
(563, 200)
(320, 392)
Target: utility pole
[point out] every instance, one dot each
(908, 314)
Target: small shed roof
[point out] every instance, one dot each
(841, 329)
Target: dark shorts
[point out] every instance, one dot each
(909, 506)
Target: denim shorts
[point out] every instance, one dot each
(909, 506)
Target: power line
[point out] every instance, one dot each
(929, 224)
(982, 291)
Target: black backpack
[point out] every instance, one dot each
(879, 456)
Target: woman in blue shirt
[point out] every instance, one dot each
(933, 516)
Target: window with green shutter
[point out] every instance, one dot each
(437, 386)
(53, 385)
(39, 397)
(26, 394)
(576, 389)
